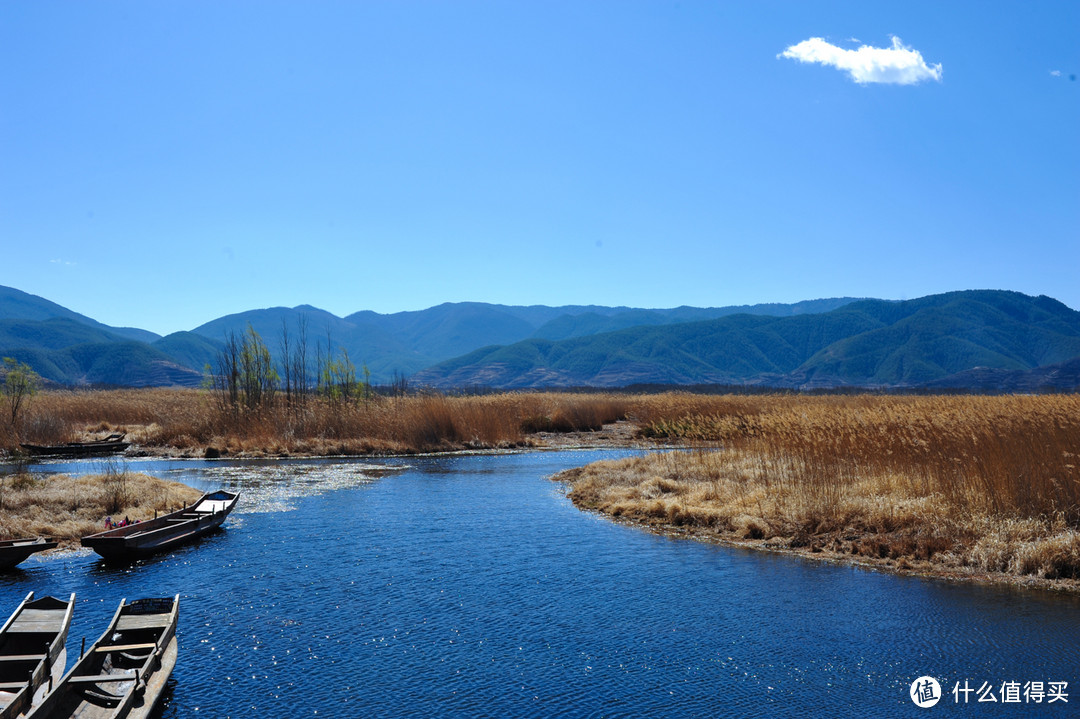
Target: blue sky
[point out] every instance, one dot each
(164, 163)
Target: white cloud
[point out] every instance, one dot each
(1056, 73)
(899, 64)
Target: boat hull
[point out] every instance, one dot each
(32, 652)
(124, 672)
(14, 551)
(144, 705)
(77, 449)
(164, 533)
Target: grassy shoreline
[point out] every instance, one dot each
(1005, 553)
(69, 508)
(961, 487)
(954, 486)
(194, 423)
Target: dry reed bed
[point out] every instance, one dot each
(937, 484)
(70, 508)
(179, 421)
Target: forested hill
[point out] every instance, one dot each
(973, 339)
(870, 343)
(18, 305)
(68, 348)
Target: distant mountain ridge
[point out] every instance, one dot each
(18, 305)
(567, 326)
(870, 343)
(954, 340)
(408, 342)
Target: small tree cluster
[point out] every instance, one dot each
(20, 384)
(247, 377)
(294, 364)
(399, 385)
(337, 380)
(246, 374)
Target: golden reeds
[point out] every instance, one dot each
(69, 508)
(934, 483)
(194, 420)
(960, 482)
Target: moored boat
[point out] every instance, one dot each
(166, 532)
(109, 445)
(13, 551)
(122, 675)
(32, 652)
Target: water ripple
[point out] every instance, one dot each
(470, 586)
(277, 487)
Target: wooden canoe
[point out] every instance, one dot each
(32, 652)
(164, 533)
(122, 675)
(13, 551)
(110, 445)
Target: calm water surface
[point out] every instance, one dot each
(470, 586)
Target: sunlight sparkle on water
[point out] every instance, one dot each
(275, 488)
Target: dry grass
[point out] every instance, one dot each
(70, 508)
(938, 484)
(964, 484)
(179, 421)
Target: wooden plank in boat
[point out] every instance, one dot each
(100, 678)
(142, 621)
(37, 615)
(37, 620)
(126, 647)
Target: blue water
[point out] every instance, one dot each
(469, 586)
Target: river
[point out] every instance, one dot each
(469, 586)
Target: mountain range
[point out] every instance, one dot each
(975, 339)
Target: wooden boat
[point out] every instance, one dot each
(123, 674)
(167, 532)
(13, 551)
(32, 653)
(109, 445)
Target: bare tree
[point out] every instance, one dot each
(258, 376)
(399, 384)
(286, 363)
(227, 379)
(246, 373)
(299, 361)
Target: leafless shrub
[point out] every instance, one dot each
(114, 481)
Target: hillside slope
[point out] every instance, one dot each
(958, 339)
(870, 343)
(18, 305)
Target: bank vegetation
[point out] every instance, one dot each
(191, 422)
(955, 485)
(69, 508)
(958, 485)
